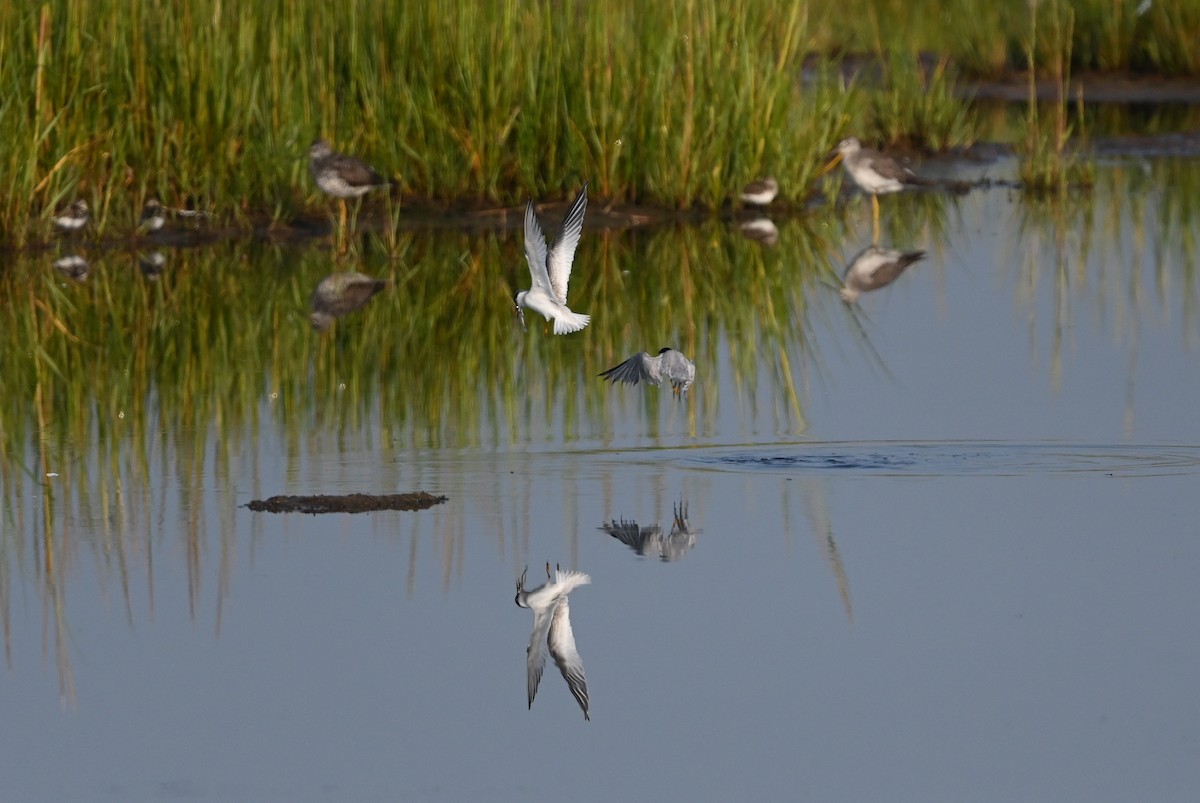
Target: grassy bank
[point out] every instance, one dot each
(672, 103)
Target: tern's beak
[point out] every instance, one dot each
(520, 316)
(833, 161)
(521, 582)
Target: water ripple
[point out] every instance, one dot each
(948, 458)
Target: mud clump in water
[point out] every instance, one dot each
(346, 503)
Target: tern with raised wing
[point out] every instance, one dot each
(668, 364)
(552, 629)
(550, 269)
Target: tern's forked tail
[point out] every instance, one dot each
(567, 322)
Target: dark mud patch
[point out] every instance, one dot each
(346, 503)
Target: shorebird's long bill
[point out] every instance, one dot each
(833, 162)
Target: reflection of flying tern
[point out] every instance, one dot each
(682, 538)
(873, 268)
(642, 540)
(668, 364)
(551, 270)
(552, 628)
(649, 541)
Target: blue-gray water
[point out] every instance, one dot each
(958, 563)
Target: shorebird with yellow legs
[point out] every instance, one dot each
(342, 176)
(875, 173)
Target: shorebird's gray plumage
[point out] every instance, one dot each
(340, 175)
(340, 294)
(73, 217)
(873, 268)
(761, 192)
(552, 631)
(668, 364)
(550, 270)
(874, 172)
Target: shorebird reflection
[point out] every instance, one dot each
(340, 294)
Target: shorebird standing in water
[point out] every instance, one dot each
(552, 628)
(73, 217)
(550, 270)
(340, 175)
(873, 268)
(340, 294)
(875, 173)
(668, 364)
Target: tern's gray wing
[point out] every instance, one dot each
(635, 369)
(640, 539)
(535, 250)
(535, 658)
(562, 252)
(562, 649)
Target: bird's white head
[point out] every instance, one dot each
(519, 310)
(319, 149)
(848, 146)
(520, 598)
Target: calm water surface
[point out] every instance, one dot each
(942, 547)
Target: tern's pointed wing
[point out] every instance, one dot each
(535, 653)
(535, 250)
(562, 252)
(633, 370)
(562, 649)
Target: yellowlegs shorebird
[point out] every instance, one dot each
(875, 173)
(552, 628)
(340, 175)
(873, 268)
(340, 294)
(550, 270)
(668, 364)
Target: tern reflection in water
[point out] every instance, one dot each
(649, 541)
(552, 629)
